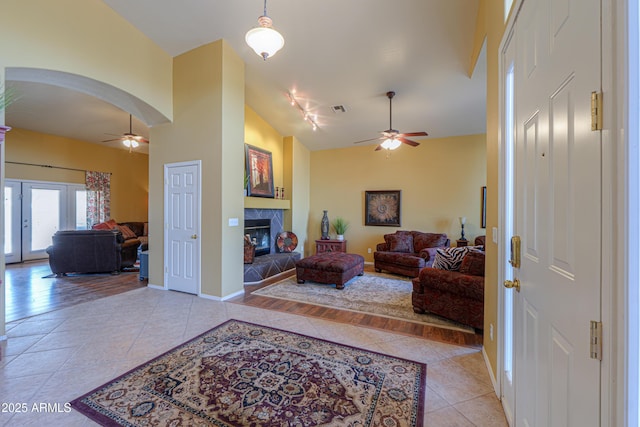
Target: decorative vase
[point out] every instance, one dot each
(324, 226)
(340, 237)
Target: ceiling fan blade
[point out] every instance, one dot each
(140, 138)
(109, 140)
(378, 148)
(408, 141)
(414, 134)
(367, 140)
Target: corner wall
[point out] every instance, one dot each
(208, 126)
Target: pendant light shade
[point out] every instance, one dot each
(264, 40)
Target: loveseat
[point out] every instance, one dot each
(455, 289)
(91, 251)
(408, 252)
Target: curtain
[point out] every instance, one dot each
(98, 197)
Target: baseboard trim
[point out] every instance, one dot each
(233, 295)
(494, 382)
(158, 287)
(210, 297)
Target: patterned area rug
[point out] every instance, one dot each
(374, 293)
(241, 374)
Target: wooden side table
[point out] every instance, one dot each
(462, 242)
(331, 246)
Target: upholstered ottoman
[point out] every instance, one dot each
(330, 267)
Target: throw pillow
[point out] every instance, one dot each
(108, 225)
(101, 226)
(400, 243)
(126, 232)
(473, 264)
(449, 258)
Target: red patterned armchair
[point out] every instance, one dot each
(456, 295)
(407, 252)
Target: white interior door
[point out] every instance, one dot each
(182, 213)
(557, 213)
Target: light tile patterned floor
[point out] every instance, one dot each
(53, 358)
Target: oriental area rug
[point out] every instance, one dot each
(242, 374)
(373, 293)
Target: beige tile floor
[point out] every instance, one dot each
(53, 358)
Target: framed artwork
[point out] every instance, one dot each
(382, 208)
(483, 211)
(259, 167)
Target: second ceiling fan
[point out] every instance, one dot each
(129, 139)
(392, 138)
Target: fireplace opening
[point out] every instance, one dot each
(259, 231)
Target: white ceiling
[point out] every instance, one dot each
(337, 52)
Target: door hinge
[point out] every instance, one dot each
(596, 110)
(596, 340)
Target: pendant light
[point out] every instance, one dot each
(264, 40)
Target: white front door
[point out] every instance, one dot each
(557, 205)
(182, 213)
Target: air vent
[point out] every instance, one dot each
(338, 109)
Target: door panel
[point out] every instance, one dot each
(12, 221)
(44, 211)
(183, 219)
(557, 177)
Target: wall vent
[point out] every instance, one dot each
(338, 109)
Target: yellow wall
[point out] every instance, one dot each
(85, 37)
(261, 134)
(440, 180)
(495, 26)
(208, 126)
(297, 162)
(130, 171)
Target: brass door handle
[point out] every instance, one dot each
(194, 236)
(515, 284)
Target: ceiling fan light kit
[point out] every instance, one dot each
(392, 138)
(264, 40)
(130, 139)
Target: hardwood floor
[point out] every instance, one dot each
(360, 319)
(30, 292)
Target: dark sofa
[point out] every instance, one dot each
(408, 252)
(91, 251)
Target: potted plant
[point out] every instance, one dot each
(341, 226)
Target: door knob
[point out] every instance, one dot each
(512, 284)
(194, 236)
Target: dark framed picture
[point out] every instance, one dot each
(483, 212)
(259, 167)
(382, 208)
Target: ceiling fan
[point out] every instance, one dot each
(129, 139)
(391, 138)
